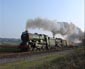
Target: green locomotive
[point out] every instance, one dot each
(39, 41)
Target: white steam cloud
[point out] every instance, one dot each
(66, 29)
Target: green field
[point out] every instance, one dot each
(74, 60)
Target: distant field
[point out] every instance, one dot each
(74, 60)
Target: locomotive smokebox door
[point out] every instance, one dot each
(25, 36)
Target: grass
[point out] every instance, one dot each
(74, 60)
(29, 64)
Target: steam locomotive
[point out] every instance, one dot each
(40, 42)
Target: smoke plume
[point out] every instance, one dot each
(64, 28)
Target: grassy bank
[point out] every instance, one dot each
(9, 48)
(75, 60)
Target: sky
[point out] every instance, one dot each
(15, 13)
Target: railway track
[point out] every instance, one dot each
(19, 54)
(12, 57)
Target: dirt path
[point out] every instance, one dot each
(33, 57)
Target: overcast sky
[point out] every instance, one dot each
(15, 13)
